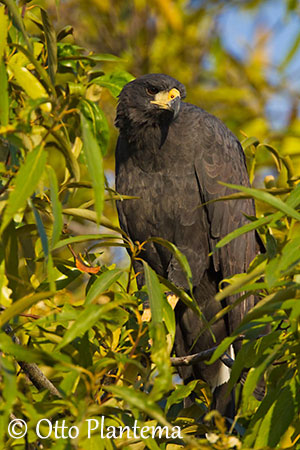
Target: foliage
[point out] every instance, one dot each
(80, 320)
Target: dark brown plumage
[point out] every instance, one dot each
(171, 154)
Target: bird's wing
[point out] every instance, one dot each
(221, 158)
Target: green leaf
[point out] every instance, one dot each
(41, 230)
(250, 141)
(92, 216)
(9, 393)
(267, 198)
(97, 57)
(180, 393)
(27, 81)
(256, 373)
(65, 148)
(56, 207)
(114, 81)
(18, 22)
(94, 164)
(4, 100)
(84, 238)
(25, 183)
(180, 257)
(139, 400)
(21, 305)
(240, 281)
(169, 319)
(3, 30)
(155, 295)
(86, 320)
(159, 352)
(102, 283)
(51, 44)
(275, 423)
(98, 122)
(293, 201)
(39, 68)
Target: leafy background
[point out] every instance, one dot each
(70, 307)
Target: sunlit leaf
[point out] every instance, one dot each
(94, 163)
(56, 207)
(25, 183)
(102, 283)
(4, 101)
(114, 81)
(267, 198)
(21, 305)
(51, 44)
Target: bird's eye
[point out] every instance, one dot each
(152, 90)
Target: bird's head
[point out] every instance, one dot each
(149, 99)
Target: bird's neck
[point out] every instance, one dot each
(148, 136)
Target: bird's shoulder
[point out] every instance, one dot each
(214, 143)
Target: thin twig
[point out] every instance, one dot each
(189, 360)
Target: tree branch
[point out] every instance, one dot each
(32, 371)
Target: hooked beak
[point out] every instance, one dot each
(169, 100)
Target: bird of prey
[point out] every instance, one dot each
(172, 156)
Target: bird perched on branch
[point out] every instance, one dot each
(172, 156)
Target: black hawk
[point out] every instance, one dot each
(172, 155)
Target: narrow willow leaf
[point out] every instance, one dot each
(162, 381)
(250, 141)
(25, 183)
(139, 400)
(98, 123)
(91, 215)
(29, 354)
(293, 201)
(267, 198)
(184, 296)
(66, 150)
(256, 373)
(114, 81)
(56, 207)
(4, 100)
(275, 154)
(169, 319)
(159, 352)
(51, 273)
(275, 423)
(86, 320)
(41, 230)
(39, 68)
(21, 305)
(51, 44)
(31, 85)
(3, 30)
(155, 294)
(241, 281)
(84, 238)
(180, 393)
(94, 164)
(102, 283)
(180, 257)
(9, 392)
(65, 31)
(14, 11)
(92, 57)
